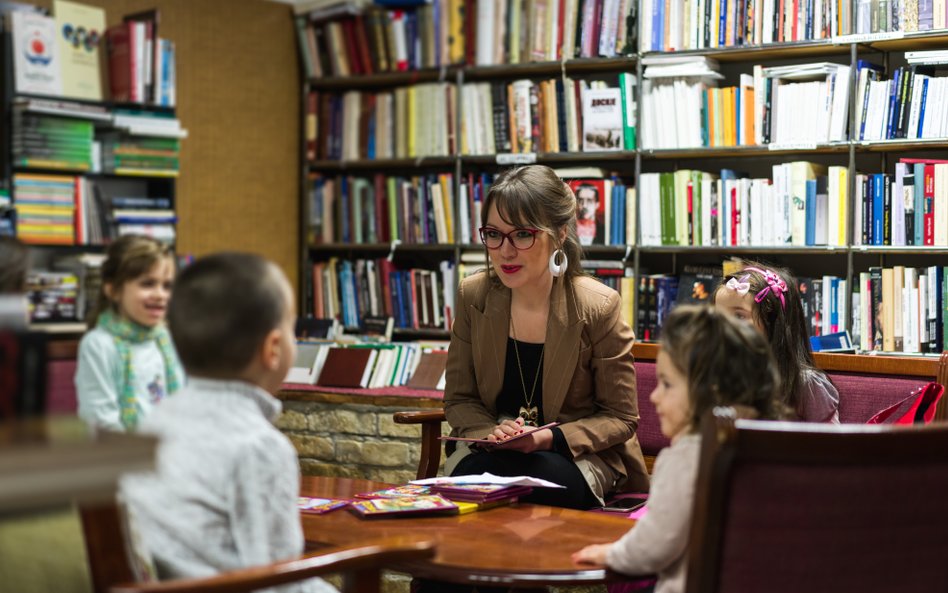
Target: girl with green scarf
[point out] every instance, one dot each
(127, 363)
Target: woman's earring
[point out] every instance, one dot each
(558, 269)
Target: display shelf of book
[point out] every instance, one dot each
(383, 80)
(769, 51)
(412, 163)
(712, 152)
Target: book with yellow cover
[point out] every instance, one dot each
(80, 29)
(403, 506)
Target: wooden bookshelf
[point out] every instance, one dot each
(844, 261)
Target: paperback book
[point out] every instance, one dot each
(486, 443)
(403, 506)
(319, 506)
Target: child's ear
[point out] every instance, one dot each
(270, 352)
(109, 289)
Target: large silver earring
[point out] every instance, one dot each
(558, 269)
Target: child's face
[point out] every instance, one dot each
(740, 306)
(144, 300)
(670, 397)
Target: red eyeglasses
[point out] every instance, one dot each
(520, 238)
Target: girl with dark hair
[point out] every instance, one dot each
(707, 359)
(768, 298)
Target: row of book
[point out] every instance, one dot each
(354, 291)
(141, 64)
(369, 366)
(909, 208)
(352, 209)
(50, 142)
(45, 208)
(412, 121)
(804, 204)
(557, 115)
(53, 134)
(901, 309)
(347, 39)
(824, 300)
(682, 107)
(910, 105)
(60, 54)
(53, 296)
(875, 16)
(701, 24)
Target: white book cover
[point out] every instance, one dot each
(898, 205)
(941, 204)
(602, 120)
(840, 110)
(81, 29)
(36, 56)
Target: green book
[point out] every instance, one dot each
(627, 87)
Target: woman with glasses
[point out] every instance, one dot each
(534, 342)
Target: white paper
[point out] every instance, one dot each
(487, 478)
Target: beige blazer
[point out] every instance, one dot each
(588, 375)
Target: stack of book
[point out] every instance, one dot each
(139, 155)
(488, 495)
(52, 296)
(45, 208)
(141, 64)
(50, 142)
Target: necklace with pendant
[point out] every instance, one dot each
(529, 412)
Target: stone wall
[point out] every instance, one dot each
(354, 436)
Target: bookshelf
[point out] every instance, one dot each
(845, 260)
(96, 159)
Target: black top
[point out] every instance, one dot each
(512, 395)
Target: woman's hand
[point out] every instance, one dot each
(535, 440)
(595, 554)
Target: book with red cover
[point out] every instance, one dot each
(403, 506)
(430, 370)
(346, 367)
(485, 443)
(119, 46)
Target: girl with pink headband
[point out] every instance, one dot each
(768, 298)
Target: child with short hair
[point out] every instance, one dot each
(127, 363)
(225, 490)
(707, 359)
(768, 298)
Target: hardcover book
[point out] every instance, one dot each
(430, 371)
(36, 57)
(347, 367)
(602, 120)
(403, 506)
(80, 28)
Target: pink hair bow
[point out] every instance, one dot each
(739, 286)
(775, 285)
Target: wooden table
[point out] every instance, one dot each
(522, 545)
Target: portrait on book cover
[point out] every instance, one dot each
(590, 210)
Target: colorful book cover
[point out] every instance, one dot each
(80, 29)
(403, 505)
(319, 505)
(36, 57)
(397, 492)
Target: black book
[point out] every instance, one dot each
(908, 198)
(886, 211)
(501, 117)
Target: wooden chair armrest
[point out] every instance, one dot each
(430, 422)
(361, 565)
(419, 417)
